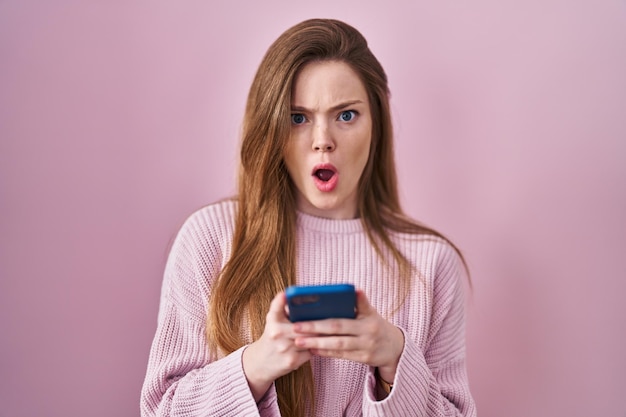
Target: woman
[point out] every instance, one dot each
(317, 204)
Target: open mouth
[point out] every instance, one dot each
(324, 174)
(325, 177)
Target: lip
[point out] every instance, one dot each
(325, 186)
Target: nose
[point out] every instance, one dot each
(322, 139)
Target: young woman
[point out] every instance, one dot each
(317, 204)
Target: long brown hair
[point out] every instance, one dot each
(263, 260)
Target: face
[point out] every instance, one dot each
(331, 133)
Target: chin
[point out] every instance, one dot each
(325, 205)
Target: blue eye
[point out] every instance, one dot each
(347, 116)
(298, 118)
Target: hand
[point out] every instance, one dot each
(274, 354)
(369, 339)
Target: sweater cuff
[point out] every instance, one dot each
(268, 404)
(409, 385)
(269, 401)
(235, 381)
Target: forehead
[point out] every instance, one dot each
(321, 83)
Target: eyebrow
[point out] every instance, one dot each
(339, 106)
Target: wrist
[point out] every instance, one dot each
(257, 380)
(384, 376)
(386, 385)
(387, 371)
(383, 387)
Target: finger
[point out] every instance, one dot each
(277, 308)
(363, 306)
(337, 354)
(326, 327)
(328, 343)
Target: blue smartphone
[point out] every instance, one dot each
(318, 302)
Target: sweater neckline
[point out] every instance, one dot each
(322, 224)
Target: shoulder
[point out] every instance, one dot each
(432, 255)
(408, 234)
(427, 244)
(216, 215)
(211, 222)
(198, 254)
(206, 234)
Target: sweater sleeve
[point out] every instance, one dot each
(433, 381)
(183, 377)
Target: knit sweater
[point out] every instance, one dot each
(431, 379)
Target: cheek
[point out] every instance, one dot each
(363, 153)
(363, 150)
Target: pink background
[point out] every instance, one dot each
(118, 119)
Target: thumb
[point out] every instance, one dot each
(277, 308)
(363, 306)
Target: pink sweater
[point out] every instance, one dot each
(431, 378)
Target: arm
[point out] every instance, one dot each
(183, 381)
(433, 381)
(183, 377)
(274, 354)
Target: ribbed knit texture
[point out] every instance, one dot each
(431, 378)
